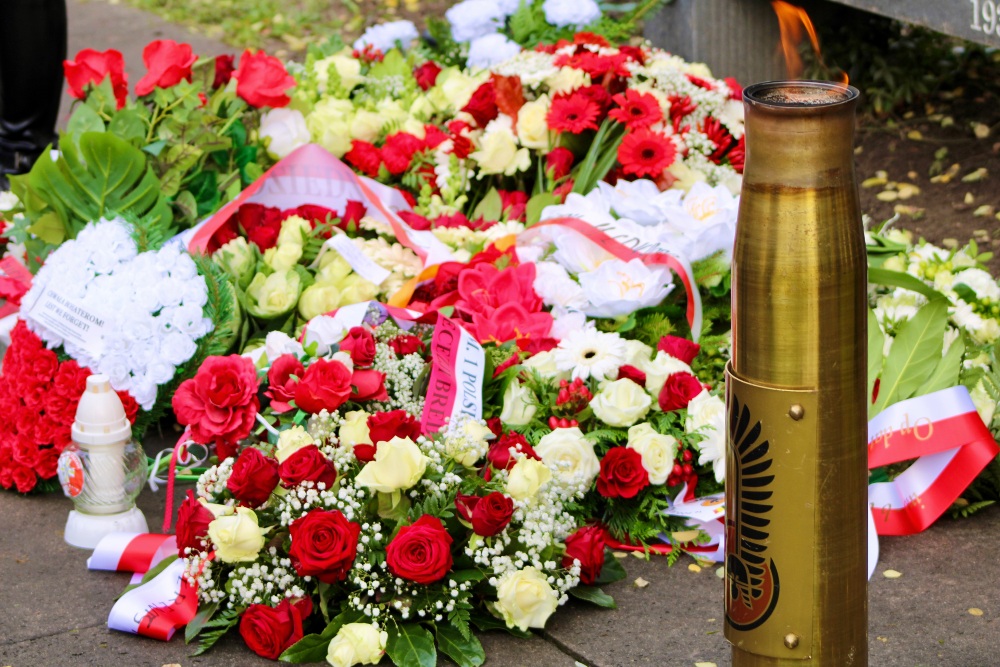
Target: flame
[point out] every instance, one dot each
(793, 22)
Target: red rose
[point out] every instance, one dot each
(268, 631)
(482, 106)
(465, 506)
(324, 545)
(499, 453)
(326, 385)
(353, 212)
(282, 378)
(679, 348)
(678, 391)
(253, 478)
(368, 385)
(220, 402)
(260, 223)
(192, 524)
(93, 67)
(420, 552)
(48, 463)
(587, 546)
(360, 343)
(307, 465)
(513, 203)
(492, 514)
(262, 80)
(405, 344)
(223, 70)
(427, 74)
(168, 63)
(632, 373)
(24, 478)
(622, 474)
(383, 426)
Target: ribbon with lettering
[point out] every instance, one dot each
(159, 607)
(678, 265)
(945, 434)
(311, 175)
(458, 364)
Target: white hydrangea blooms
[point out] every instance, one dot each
(491, 49)
(577, 13)
(385, 36)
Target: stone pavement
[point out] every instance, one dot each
(54, 610)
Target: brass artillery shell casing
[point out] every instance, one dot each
(796, 468)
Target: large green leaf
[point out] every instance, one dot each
(876, 343)
(915, 353)
(465, 651)
(593, 595)
(947, 370)
(411, 645)
(904, 280)
(105, 175)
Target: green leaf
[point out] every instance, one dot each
(490, 208)
(49, 228)
(150, 574)
(128, 125)
(186, 207)
(411, 645)
(612, 570)
(466, 575)
(155, 148)
(486, 623)
(84, 119)
(947, 370)
(904, 280)
(876, 343)
(594, 595)
(914, 354)
(313, 647)
(465, 651)
(535, 206)
(195, 625)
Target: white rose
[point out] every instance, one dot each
(367, 125)
(658, 451)
(176, 348)
(347, 67)
(398, 465)
(526, 478)
(290, 441)
(283, 130)
(570, 455)
(525, 598)
(498, 151)
(532, 126)
(659, 368)
(283, 257)
(707, 414)
(354, 429)
(545, 364)
(637, 352)
(518, 404)
(985, 405)
(237, 537)
(357, 644)
(621, 403)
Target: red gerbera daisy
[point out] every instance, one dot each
(645, 153)
(574, 113)
(636, 110)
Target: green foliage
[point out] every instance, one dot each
(915, 353)
(410, 645)
(464, 649)
(593, 595)
(313, 647)
(216, 629)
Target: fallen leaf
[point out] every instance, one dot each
(683, 536)
(914, 212)
(874, 181)
(946, 177)
(969, 199)
(984, 210)
(975, 176)
(619, 554)
(705, 664)
(908, 115)
(887, 195)
(721, 572)
(907, 190)
(883, 639)
(981, 130)
(951, 244)
(640, 583)
(912, 175)
(892, 574)
(914, 135)
(694, 568)
(975, 611)
(882, 173)
(639, 554)
(711, 620)
(947, 121)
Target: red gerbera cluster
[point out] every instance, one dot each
(38, 398)
(646, 153)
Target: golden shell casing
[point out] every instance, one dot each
(799, 318)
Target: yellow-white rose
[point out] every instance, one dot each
(398, 465)
(216, 509)
(294, 230)
(237, 537)
(319, 298)
(570, 455)
(329, 125)
(621, 403)
(367, 125)
(498, 151)
(566, 80)
(532, 126)
(659, 368)
(237, 259)
(333, 268)
(274, 295)
(392, 110)
(283, 257)
(526, 478)
(284, 130)
(525, 599)
(354, 429)
(357, 644)
(290, 441)
(658, 451)
(347, 68)
(355, 289)
(985, 405)
(457, 87)
(518, 404)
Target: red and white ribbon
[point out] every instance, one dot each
(159, 607)
(455, 387)
(132, 552)
(945, 434)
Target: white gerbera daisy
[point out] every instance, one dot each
(590, 353)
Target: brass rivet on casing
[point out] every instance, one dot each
(796, 412)
(792, 640)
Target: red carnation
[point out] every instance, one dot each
(223, 70)
(587, 546)
(482, 106)
(324, 545)
(636, 110)
(420, 552)
(427, 74)
(269, 631)
(282, 377)
(384, 426)
(220, 402)
(364, 157)
(679, 348)
(678, 391)
(307, 464)
(326, 385)
(168, 63)
(398, 151)
(192, 524)
(262, 80)
(645, 153)
(253, 478)
(573, 113)
(92, 67)
(622, 474)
